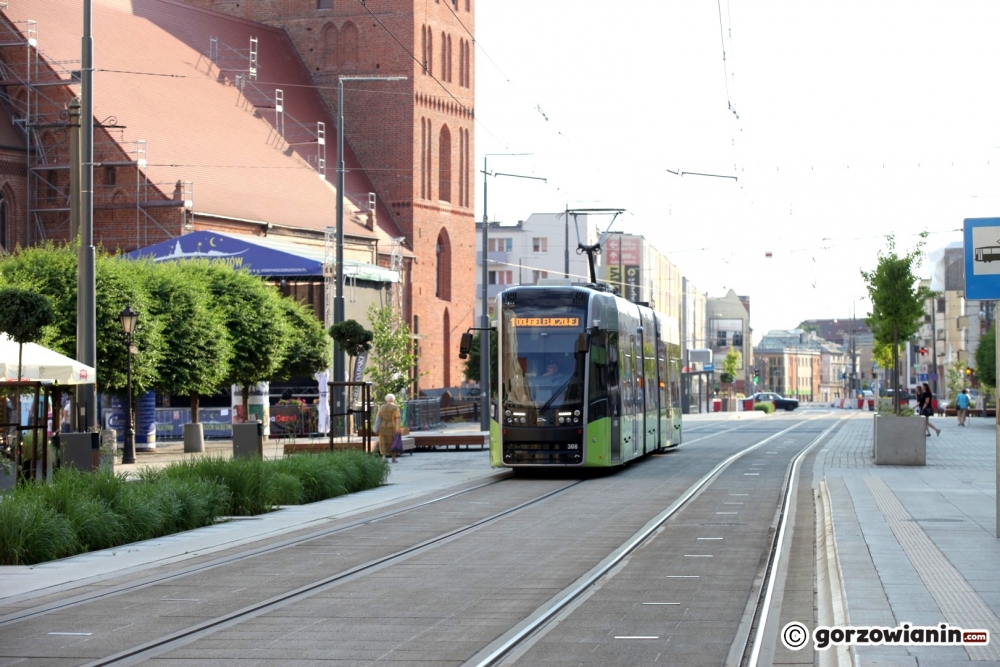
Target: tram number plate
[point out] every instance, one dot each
(572, 446)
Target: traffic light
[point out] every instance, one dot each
(923, 351)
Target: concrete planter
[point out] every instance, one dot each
(194, 438)
(899, 441)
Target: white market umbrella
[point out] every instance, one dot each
(41, 363)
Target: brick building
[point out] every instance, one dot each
(219, 115)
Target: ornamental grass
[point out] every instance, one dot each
(78, 512)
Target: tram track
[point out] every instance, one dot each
(154, 580)
(509, 648)
(165, 642)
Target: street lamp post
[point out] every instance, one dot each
(484, 321)
(128, 319)
(338, 302)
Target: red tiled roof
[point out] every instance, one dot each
(154, 76)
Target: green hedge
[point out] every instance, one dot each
(765, 406)
(79, 512)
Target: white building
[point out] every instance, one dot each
(531, 250)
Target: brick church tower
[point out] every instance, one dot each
(413, 137)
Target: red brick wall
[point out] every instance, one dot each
(384, 124)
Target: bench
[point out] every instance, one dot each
(435, 440)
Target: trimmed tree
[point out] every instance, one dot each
(472, 368)
(197, 349)
(255, 320)
(24, 314)
(351, 338)
(897, 302)
(308, 344)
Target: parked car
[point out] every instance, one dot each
(780, 402)
(904, 396)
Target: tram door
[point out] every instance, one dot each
(614, 396)
(635, 394)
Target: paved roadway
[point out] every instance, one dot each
(373, 578)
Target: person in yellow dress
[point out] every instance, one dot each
(389, 421)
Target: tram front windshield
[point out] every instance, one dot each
(541, 367)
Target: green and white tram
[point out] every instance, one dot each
(585, 378)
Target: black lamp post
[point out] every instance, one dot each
(128, 318)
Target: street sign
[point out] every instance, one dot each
(922, 377)
(982, 258)
(708, 367)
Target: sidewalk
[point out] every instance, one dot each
(917, 545)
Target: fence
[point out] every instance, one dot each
(423, 413)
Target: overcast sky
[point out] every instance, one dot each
(855, 120)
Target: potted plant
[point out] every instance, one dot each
(897, 308)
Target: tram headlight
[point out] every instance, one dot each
(576, 420)
(576, 413)
(523, 420)
(507, 413)
(561, 419)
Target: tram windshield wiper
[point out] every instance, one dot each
(556, 394)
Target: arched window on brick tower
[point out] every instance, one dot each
(347, 46)
(423, 158)
(442, 268)
(444, 164)
(446, 348)
(444, 56)
(4, 224)
(329, 47)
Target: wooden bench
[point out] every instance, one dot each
(435, 440)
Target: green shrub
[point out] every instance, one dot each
(765, 406)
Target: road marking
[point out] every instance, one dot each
(661, 602)
(727, 512)
(683, 576)
(697, 555)
(73, 634)
(733, 503)
(739, 494)
(636, 637)
(751, 474)
(710, 538)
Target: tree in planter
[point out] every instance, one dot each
(897, 305)
(391, 355)
(730, 365)
(197, 349)
(986, 365)
(254, 317)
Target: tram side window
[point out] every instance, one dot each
(598, 367)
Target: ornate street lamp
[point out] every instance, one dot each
(128, 318)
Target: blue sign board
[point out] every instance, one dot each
(922, 377)
(982, 258)
(708, 367)
(253, 256)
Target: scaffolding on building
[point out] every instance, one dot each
(239, 67)
(37, 90)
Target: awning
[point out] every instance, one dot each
(264, 256)
(41, 363)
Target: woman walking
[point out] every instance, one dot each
(388, 418)
(926, 406)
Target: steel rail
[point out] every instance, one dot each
(762, 609)
(227, 560)
(160, 645)
(513, 642)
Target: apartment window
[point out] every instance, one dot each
(324, 4)
(539, 245)
(501, 245)
(721, 338)
(501, 277)
(110, 175)
(940, 305)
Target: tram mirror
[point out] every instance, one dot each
(583, 343)
(465, 345)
